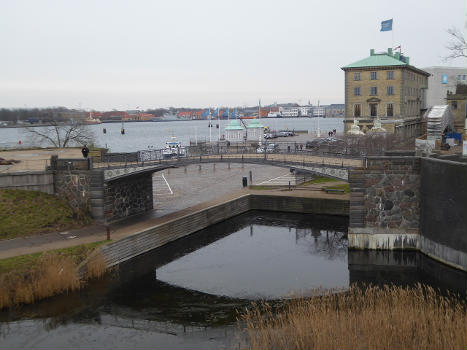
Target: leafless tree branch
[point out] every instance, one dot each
(60, 135)
(457, 46)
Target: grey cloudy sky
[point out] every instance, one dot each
(146, 53)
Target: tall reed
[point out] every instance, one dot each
(54, 274)
(370, 318)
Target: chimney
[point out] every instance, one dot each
(372, 52)
(407, 60)
(397, 56)
(389, 51)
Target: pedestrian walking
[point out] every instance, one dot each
(85, 151)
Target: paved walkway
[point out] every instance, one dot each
(186, 200)
(35, 159)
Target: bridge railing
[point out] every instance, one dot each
(220, 151)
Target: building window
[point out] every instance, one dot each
(374, 75)
(357, 110)
(356, 76)
(373, 109)
(454, 104)
(458, 77)
(373, 91)
(390, 75)
(389, 110)
(356, 91)
(463, 77)
(390, 90)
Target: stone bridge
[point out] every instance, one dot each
(121, 185)
(326, 166)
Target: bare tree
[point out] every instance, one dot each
(457, 45)
(61, 134)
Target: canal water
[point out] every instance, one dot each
(144, 135)
(188, 293)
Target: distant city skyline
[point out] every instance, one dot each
(152, 54)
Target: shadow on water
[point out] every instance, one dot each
(404, 268)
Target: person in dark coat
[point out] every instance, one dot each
(85, 151)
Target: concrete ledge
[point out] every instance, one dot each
(444, 254)
(382, 241)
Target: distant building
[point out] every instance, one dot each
(385, 85)
(318, 111)
(457, 101)
(442, 80)
(289, 112)
(255, 130)
(234, 132)
(334, 111)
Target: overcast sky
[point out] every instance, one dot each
(158, 53)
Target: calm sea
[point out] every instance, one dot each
(144, 135)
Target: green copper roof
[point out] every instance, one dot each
(254, 124)
(376, 61)
(380, 60)
(234, 125)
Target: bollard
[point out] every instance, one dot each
(199, 168)
(184, 170)
(229, 165)
(214, 166)
(251, 177)
(289, 185)
(108, 233)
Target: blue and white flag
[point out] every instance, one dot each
(386, 25)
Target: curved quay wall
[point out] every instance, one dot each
(157, 236)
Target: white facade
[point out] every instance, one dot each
(255, 130)
(306, 111)
(318, 111)
(442, 80)
(289, 111)
(234, 132)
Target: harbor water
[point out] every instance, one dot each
(144, 135)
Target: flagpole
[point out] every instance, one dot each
(392, 34)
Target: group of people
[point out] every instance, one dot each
(332, 133)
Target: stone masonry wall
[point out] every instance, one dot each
(386, 194)
(74, 187)
(128, 196)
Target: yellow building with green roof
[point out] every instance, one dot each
(385, 85)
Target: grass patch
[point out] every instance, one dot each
(261, 187)
(320, 180)
(24, 213)
(23, 263)
(345, 187)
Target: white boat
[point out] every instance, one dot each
(173, 149)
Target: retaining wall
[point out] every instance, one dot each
(410, 203)
(443, 210)
(157, 236)
(32, 181)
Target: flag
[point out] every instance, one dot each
(386, 25)
(397, 47)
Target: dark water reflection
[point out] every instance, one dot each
(137, 307)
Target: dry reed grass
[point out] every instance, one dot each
(54, 274)
(371, 318)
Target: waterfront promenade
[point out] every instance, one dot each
(192, 191)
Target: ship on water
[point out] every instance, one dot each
(170, 117)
